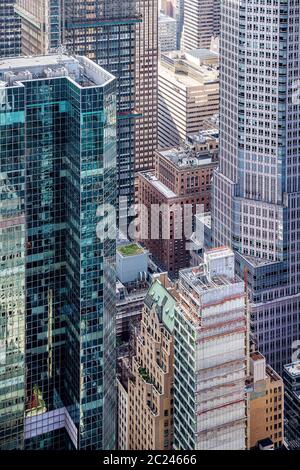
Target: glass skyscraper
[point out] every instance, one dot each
(256, 195)
(105, 32)
(57, 235)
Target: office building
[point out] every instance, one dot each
(10, 30)
(266, 404)
(168, 7)
(256, 192)
(210, 356)
(58, 170)
(201, 23)
(188, 94)
(174, 9)
(291, 379)
(146, 79)
(12, 277)
(105, 32)
(169, 197)
(41, 25)
(166, 33)
(150, 386)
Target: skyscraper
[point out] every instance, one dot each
(58, 172)
(10, 30)
(41, 25)
(12, 273)
(146, 79)
(105, 32)
(256, 196)
(188, 94)
(210, 356)
(201, 23)
(166, 33)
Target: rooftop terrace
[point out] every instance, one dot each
(130, 250)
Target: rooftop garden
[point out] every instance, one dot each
(130, 250)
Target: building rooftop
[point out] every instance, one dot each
(201, 281)
(131, 249)
(186, 157)
(293, 369)
(215, 272)
(162, 188)
(80, 70)
(203, 136)
(255, 261)
(186, 70)
(185, 80)
(202, 54)
(165, 302)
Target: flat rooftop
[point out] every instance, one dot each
(81, 70)
(186, 157)
(203, 136)
(202, 54)
(200, 281)
(161, 187)
(131, 249)
(185, 79)
(257, 262)
(293, 369)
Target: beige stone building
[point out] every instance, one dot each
(150, 386)
(188, 94)
(266, 403)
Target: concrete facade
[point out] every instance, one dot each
(188, 93)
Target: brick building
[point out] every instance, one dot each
(169, 196)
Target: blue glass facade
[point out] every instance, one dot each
(69, 148)
(105, 32)
(12, 268)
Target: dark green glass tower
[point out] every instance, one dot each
(58, 179)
